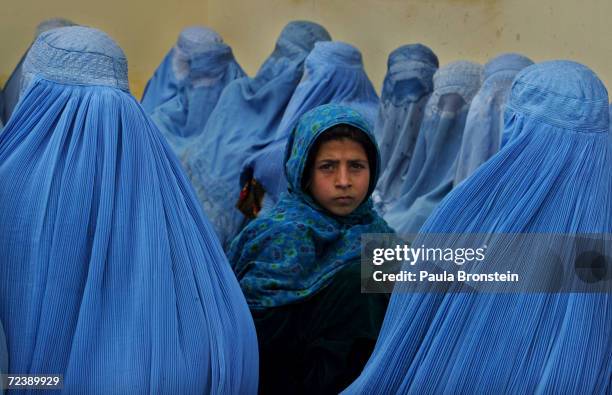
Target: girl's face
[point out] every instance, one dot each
(341, 176)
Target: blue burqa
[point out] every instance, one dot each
(245, 119)
(485, 120)
(111, 275)
(164, 84)
(333, 73)
(432, 169)
(13, 86)
(406, 90)
(553, 176)
(196, 71)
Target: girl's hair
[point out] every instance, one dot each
(339, 132)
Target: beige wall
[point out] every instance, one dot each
(455, 29)
(144, 29)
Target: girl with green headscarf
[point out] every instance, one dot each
(298, 264)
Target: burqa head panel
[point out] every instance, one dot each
(13, 86)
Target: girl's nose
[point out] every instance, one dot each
(343, 179)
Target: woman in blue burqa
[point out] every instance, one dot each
(406, 90)
(485, 120)
(431, 172)
(12, 87)
(299, 265)
(244, 119)
(551, 180)
(187, 85)
(333, 73)
(110, 275)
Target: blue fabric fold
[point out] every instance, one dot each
(111, 275)
(553, 176)
(244, 120)
(181, 102)
(485, 121)
(333, 73)
(432, 169)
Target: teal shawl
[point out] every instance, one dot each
(293, 251)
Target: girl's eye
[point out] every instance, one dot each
(357, 165)
(326, 166)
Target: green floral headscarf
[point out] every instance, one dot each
(295, 250)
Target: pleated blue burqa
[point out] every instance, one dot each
(406, 90)
(111, 275)
(244, 120)
(201, 67)
(13, 86)
(334, 74)
(432, 169)
(553, 176)
(485, 120)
